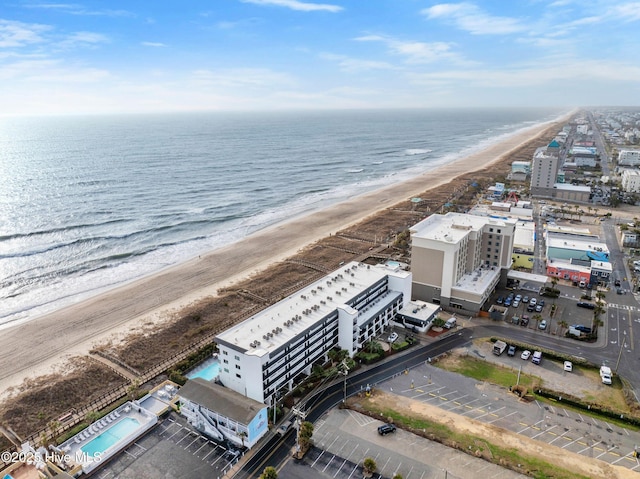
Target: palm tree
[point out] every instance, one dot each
(269, 473)
(369, 465)
(304, 435)
(563, 324)
(242, 435)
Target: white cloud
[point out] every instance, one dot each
(355, 65)
(47, 72)
(468, 17)
(75, 9)
(153, 44)
(297, 5)
(417, 52)
(17, 34)
(628, 12)
(242, 77)
(82, 39)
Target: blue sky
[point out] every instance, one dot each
(163, 55)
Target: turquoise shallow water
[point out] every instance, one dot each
(89, 203)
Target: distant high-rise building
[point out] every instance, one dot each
(544, 172)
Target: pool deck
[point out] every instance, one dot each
(74, 445)
(206, 364)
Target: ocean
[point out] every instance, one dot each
(90, 203)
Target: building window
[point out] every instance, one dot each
(495, 257)
(237, 358)
(237, 366)
(226, 361)
(499, 231)
(225, 352)
(491, 230)
(226, 370)
(238, 376)
(489, 243)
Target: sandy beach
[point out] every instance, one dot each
(39, 346)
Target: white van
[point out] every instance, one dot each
(451, 323)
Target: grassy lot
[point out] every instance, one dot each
(486, 371)
(482, 370)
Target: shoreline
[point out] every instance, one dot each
(36, 347)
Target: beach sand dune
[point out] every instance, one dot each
(31, 349)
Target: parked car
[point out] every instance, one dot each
(392, 337)
(531, 308)
(524, 321)
(541, 303)
(518, 297)
(451, 323)
(507, 302)
(526, 354)
(617, 282)
(543, 324)
(533, 301)
(525, 299)
(516, 303)
(538, 308)
(386, 429)
(582, 328)
(511, 351)
(500, 300)
(284, 427)
(583, 304)
(537, 357)
(568, 366)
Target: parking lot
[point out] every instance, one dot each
(172, 449)
(552, 424)
(344, 438)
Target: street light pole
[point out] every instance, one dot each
(624, 341)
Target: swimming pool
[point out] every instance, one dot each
(208, 371)
(111, 436)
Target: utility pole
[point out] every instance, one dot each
(300, 416)
(344, 372)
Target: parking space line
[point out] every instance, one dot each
(181, 427)
(481, 409)
(503, 417)
(325, 467)
(197, 437)
(317, 458)
(626, 456)
(558, 437)
(385, 464)
(355, 467)
(543, 432)
(588, 447)
(209, 453)
(490, 412)
(184, 437)
(200, 448)
(572, 442)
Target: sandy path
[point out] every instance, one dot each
(34, 348)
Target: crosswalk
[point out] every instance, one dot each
(624, 307)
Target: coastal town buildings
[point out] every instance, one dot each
(631, 181)
(268, 354)
(223, 414)
(629, 158)
(457, 259)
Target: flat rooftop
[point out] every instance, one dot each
(453, 227)
(420, 310)
(477, 281)
(280, 323)
(578, 244)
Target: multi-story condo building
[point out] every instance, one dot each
(544, 172)
(629, 158)
(458, 259)
(631, 181)
(269, 353)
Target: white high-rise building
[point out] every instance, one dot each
(267, 354)
(629, 158)
(457, 259)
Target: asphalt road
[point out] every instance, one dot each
(276, 450)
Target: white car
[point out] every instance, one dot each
(543, 324)
(526, 354)
(392, 337)
(568, 366)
